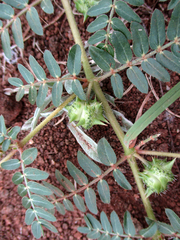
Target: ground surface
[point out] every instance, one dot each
(56, 144)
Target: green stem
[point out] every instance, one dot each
(163, 154)
(46, 120)
(146, 202)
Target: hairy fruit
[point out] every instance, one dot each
(157, 175)
(86, 114)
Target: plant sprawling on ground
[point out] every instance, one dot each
(118, 42)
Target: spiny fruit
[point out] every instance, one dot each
(86, 114)
(157, 175)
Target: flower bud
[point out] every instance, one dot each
(157, 175)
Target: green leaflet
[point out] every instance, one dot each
(15, 81)
(116, 224)
(37, 69)
(169, 60)
(68, 205)
(79, 202)
(22, 191)
(124, 11)
(42, 93)
(11, 164)
(17, 178)
(47, 6)
(121, 179)
(136, 76)
(90, 199)
(153, 68)
(172, 4)
(128, 224)
(2, 125)
(54, 189)
(149, 231)
(48, 225)
(5, 40)
(41, 201)
(6, 11)
(94, 223)
(44, 214)
(39, 188)
(157, 35)
(32, 94)
(103, 6)
(20, 4)
(105, 222)
(98, 23)
(29, 155)
(174, 219)
(29, 217)
(117, 85)
(74, 60)
(64, 182)
(173, 30)
(13, 132)
(87, 165)
(36, 229)
(78, 176)
(26, 202)
(106, 153)
(103, 190)
(152, 113)
(140, 39)
(17, 33)
(27, 75)
(103, 59)
(34, 21)
(175, 48)
(97, 37)
(118, 25)
(78, 90)
(35, 174)
(122, 47)
(57, 93)
(165, 228)
(51, 64)
(6, 145)
(60, 208)
(20, 94)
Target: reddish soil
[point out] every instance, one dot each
(56, 144)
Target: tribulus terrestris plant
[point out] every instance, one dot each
(118, 42)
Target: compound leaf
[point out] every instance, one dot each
(152, 113)
(103, 190)
(140, 39)
(117, 85)
(153, 68)
(68, 205)
(90, 199)
(157, 35)
(169, 60)
(87, 165)
(124, 11)
(54, 189)
(57, 93)
(36, 229)
(122, 47)
(98, 23)
(78, 90)
(97, 37)
(29, 155)
(103, 6)
(118, 25)
(116, 224)
(128, 224)
(34, 21)
(137, 78)
(106, 153)
(29, 216)
(51, 64)
(79, 202)
(173, 30)
(17, 33)
(64, 182)
(35, 174)
(78, 176)
(11, 164)
(174, 219)
(74, 60)
(103, 59)
(121, 179)
(38, 188)
(47, 6)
